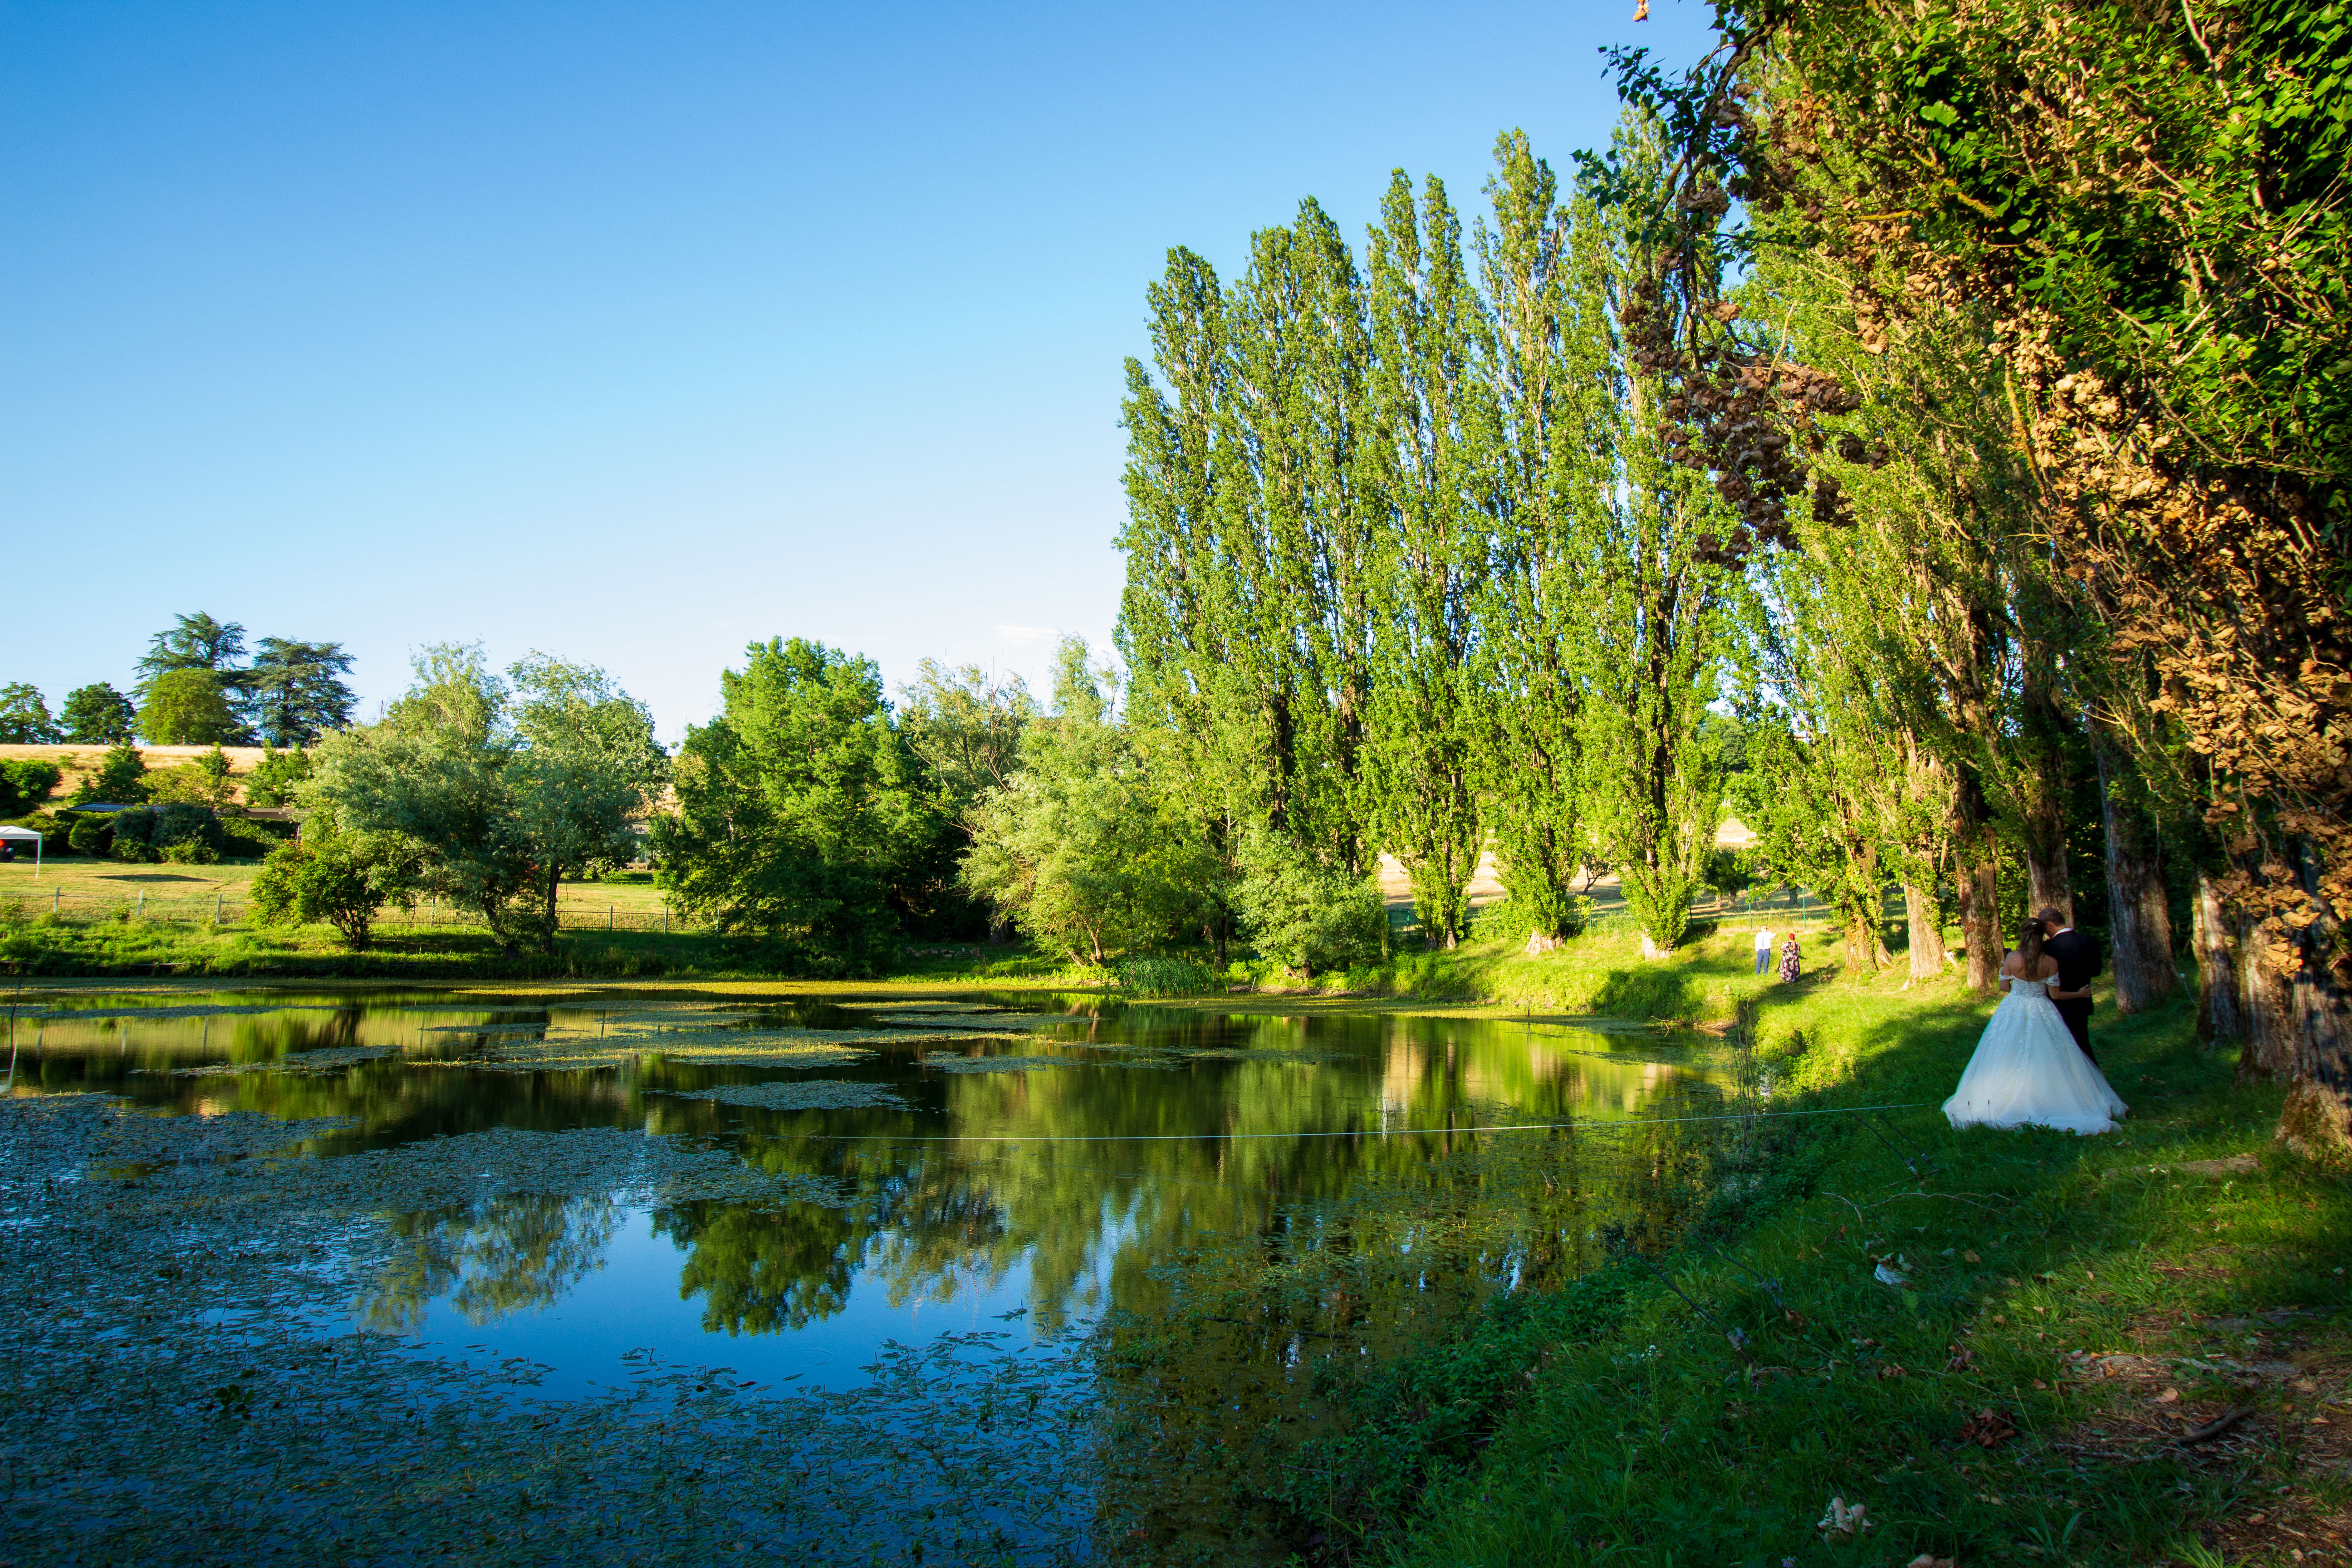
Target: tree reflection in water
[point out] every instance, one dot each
(513, 1252)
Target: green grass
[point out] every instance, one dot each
(1613, 1422)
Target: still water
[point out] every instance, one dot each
(1202, 1213)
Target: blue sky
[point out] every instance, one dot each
(634, 332)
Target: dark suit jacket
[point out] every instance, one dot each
(2079, 960)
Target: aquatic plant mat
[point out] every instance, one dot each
(180, 1387)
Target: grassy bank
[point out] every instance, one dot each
(2070, 1310)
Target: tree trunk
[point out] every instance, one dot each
(2265, 1002)
(1864, 954)
(1928, 955)
(2047, 884)
(1976, 872)
(2220, 1015)
(547, 924)
(2139, 926)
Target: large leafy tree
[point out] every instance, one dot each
(803, 813)
(296, 690)
(585, 769)
(965, 727)
(97, 714)
(1081, 848)
(188, 706)
(25, 716)
(195, 642)
(433, 773)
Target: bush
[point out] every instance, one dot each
(1165, 977)
(172, 829)
(26, 783)
(92, 835)
(274, 778)
(120, 778)
(339, 879)
(1303, 913)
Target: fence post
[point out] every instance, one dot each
(139, 910)
(55, 894)
(664, 917)
(608, 916)
(217, 899)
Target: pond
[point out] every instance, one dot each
(641, 1276)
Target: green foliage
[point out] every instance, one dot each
(1303, 913)
(339, 879)
(277, 778)
(187, 708)
(296, 690)
(1081, 849)
(97, 714)
(25, 717)
(92, 835)
(173, 830)
(26, 783)
(1165, 977)
(803, 815)
(120, 778)
(433, 772)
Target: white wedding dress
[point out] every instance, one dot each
(2028, 1071)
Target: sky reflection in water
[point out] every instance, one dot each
(1323, 1245)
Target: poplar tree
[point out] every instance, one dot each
(1300, 530)
(1431, 464)
(1657, 599)
(1548, 371)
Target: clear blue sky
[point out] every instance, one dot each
(634, 332)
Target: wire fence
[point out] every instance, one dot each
(227, 910)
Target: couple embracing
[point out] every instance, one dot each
(2033, 1066)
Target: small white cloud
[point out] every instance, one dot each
(1024, 634)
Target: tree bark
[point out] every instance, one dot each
(547, 924)
(2047, 884)
(2265, 1002)
(1977, 871)
(2220, 1015)
(2139, 926)
(1928, 955)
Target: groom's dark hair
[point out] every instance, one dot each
(2048, 915)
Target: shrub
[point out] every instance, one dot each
(92, 835)
(1165, 977)
(274, 778)
(1303, 913)
(120, 778)
(25, 782)
(339, 879)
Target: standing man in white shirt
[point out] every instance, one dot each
(1763, 948)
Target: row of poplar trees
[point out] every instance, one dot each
(1406, 569)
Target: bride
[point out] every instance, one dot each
(2027, 1070)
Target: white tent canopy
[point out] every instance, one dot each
(24, 835)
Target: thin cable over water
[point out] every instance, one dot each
(1351, 1132)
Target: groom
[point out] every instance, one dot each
(2078, 960)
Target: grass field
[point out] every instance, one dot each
(2063, 1315)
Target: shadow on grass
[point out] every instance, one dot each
(1857, 1292)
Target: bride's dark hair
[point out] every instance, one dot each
(2029, 942)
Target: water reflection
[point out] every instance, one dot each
(1241, 1206)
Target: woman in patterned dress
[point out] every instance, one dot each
(1789, 966)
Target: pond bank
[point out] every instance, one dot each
(2069, 1310)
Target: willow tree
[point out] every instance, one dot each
(1431, 461)
(1559, 428)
